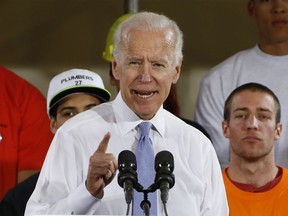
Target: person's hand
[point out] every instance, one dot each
(102, 169)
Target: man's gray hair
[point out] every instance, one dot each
(148, 21)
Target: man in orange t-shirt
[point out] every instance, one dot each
(255, 185)
(24, 130)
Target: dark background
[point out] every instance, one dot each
(40, 38)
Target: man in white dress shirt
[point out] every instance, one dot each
(78, 174)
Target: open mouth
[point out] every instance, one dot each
(144, 94)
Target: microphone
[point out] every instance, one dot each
(164, 179)
(127, 176)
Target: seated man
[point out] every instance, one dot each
(69, 93)
(255, 185)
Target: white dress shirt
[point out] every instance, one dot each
(198, 189)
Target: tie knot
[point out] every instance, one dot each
(145, 128)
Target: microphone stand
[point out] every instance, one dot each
(145, 204)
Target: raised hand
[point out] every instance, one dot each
(102, 169)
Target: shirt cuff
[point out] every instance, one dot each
(82, 202)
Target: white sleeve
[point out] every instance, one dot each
(215, 201)
(61, 186)
(209, 114)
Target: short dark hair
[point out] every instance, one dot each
(254, 87)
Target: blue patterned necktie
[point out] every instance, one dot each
(145, 170)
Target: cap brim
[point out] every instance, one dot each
(102, 94)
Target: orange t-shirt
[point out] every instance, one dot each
(24, 128)
(270, 203)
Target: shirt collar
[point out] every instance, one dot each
(127, 120)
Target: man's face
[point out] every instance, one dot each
(271, 17)
(146, 70)
(71, 106)
(252, 127)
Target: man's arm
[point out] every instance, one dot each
(215, 201)
(71, 183)
(61, 188)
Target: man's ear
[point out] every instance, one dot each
(177, 73)
(225, 129)
(115, 70)
(278, 131)
(53, 127)
(251, 8)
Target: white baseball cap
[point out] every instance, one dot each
(75, 81)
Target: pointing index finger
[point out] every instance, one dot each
(104, 143)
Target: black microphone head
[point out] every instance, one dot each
(127, 168)
(164, 158)
(164, 166)
(127, 158)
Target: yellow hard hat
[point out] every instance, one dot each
(107, 54)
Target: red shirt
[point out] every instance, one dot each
(253, 189)
(24, 127)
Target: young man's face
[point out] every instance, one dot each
(271, 17)
(252, 127)
(71, 106)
